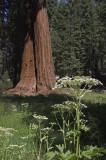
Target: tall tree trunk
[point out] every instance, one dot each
(43, 52)
(37, 73)
(27, 83)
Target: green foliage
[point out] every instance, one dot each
(102, 36)
(65, 59)
(15, 32)
(60, 154)
(77, 32)
(3, 37)
(72, 130)
(93, 152)
(16, 138)
(5, 82)
(51, 9)
(6, 148)
(16, 112)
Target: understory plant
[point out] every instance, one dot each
(16, 139)
(70, 121)
(5, 82)
(43, 135)
(7, 150)
(71, 149)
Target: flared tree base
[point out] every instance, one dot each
(28, 91)
(22, 91)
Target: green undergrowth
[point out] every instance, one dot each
(96, 115)
(17, 113)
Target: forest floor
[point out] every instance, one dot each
(17, 112)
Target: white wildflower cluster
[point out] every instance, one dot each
(29, 136)
(95, 82)
(3, 129)
(14, 108)
(11, 129)
(67, 105)
(83, 121)
(62, 106)
(45, 129)
(15, 146)
(8, 134)
(33, 126)
(63, 82)
(82, 114)
(76, 81)
(6, 131)
(25, 105)
(70, 103)
(83, 105)
(86, 80)
(39, 117)
(53, 106)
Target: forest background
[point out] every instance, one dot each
(78, 36)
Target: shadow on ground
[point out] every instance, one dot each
(40, 104)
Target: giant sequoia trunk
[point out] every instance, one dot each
(43, 53)
(37, 73)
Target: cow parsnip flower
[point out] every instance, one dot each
(39, 117)
(76, 82)
(45, 129)
(25, 105)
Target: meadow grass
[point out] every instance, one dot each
(17, 113)
(96, 115)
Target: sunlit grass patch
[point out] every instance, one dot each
(95, 97)
(12, 129)
(17, 113)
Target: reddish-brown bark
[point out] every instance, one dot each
(37, 73)
(43, 52)
(27, 83)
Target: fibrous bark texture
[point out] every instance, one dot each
(43, 52)
(37, 73)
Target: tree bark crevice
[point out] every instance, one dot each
(37, 73)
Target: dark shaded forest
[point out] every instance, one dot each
(78, 37)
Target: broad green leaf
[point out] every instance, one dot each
(85, 128)
(86, 154)
(72, 132)
(49, 155)
(60, 148)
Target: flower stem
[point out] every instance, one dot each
(40, 141)
(47, 144)
(78, 129)
(64, 133)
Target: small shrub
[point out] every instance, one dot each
(5, 82)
